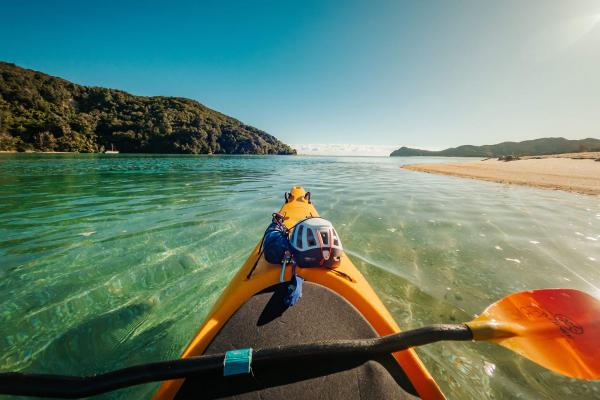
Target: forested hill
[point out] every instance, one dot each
(44, 113)
(536, 147)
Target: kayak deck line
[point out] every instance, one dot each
(357, 292)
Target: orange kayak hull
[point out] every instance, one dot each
(346, 281)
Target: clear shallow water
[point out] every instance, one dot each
(109, 261)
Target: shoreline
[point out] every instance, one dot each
(560, 172)
(159, 154)
(40, 152)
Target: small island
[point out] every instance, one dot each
(39, 112)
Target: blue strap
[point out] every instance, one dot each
(237, 362)
(282, 275)
(294, 291)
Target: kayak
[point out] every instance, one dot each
(336, 304)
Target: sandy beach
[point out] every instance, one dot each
(574, 172)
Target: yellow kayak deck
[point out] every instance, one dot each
(346, 281)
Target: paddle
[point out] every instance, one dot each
(556, 328)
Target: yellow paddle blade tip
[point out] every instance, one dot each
(556, 328)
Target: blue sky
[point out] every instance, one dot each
(379, 73)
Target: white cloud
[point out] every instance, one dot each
(335, 149)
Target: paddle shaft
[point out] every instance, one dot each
(42, 385)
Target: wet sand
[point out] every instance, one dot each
(574, 172)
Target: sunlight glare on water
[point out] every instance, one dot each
(110, 261)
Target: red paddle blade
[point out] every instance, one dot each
(556, 328)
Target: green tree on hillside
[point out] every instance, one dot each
(44, 113)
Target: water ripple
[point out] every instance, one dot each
(113, 261)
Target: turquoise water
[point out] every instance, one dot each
(110, 261)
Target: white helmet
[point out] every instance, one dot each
(315, 243)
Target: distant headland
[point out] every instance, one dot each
(39, 112)
(536, 147)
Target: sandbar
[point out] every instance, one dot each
(578, 173)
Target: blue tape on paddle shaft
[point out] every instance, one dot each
(237, 362)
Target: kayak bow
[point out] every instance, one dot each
(344, 286)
